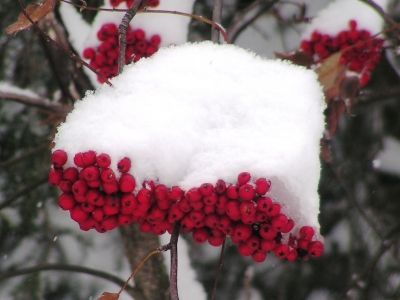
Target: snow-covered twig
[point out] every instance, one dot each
(123, 28)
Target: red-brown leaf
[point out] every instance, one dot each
(35, 11)
(298, 58)
(334, 112)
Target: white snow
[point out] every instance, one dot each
(388, 160)
(335, 17)
(202, 112)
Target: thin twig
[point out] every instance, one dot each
(174, 261)
(66, 50)
(217, 12)
(21, 157)
(123, 28)
(218, 270)
(243, 22)
(23, 191)
(72, 268)
(42, 104)
(380, 10)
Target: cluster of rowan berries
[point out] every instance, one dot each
(104, 58)
(360, 51)
(97, 199)
(150, 3)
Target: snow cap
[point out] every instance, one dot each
(200, 112)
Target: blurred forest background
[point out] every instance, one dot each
(44, 256)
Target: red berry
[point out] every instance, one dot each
(98, 214)
(144, 196)
(124, 219)
(306, 233)
(91, 173)
(127, 183)
(103, 160)
(244, 178)
(220, 187)
(110, 188)
(145, 227)
(115, 3)
(175, 213)
(71, 174)
(246, 192)
(155, 40)
(211, 199)
(184, 205)
(262, 186)
(208, 209)
(259, 256)
(87, 207)
(232, 192)
(200, 235)
(242, 231)
(107, 175)
(212, 221)
(288, 227)
(161, 192)
(59, 158)
(279, 222)
(274, 210)
(156, 215)
(316, 249)
(197, 215)
(248, 209)
(109, 29)
(176, 193)
(352, 24)
(206, 189)
(267, 244)
(55, 176)
(124, 165)
(292, 255)
(233, 210)
(261, 217)
(65, 186)
(216, 241)
(109, 223)
(94, 184)
(66, 201)
(303, 243)
(112, 205)
(193, 195)
(245, 250)
(365, 78)
(79, 188)
(89, 53)
(92, 195)
(78, 214)
(89, 158)
(88, 224)
(281, 251)
(222, 201)
(139, 34)
(128, 203)
(267, 232)
(253, 242)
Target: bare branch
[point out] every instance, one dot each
(123, 28)
(42, 104)
(174, 261)
(21, 157)
(23, 191)
(135, 293)
(66, 50)
(217, 19)
(380, 10)
(245, 19)
(218, 270)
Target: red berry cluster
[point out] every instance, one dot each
(360, 51)
(97, 199)
(150, 3)
(104, 58)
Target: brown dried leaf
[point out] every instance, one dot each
(330, 75)
(36, 12)
(298, 58)
(109, 296)
(334, 112)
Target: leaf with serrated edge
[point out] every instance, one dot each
(108, 296)
(35, 11)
